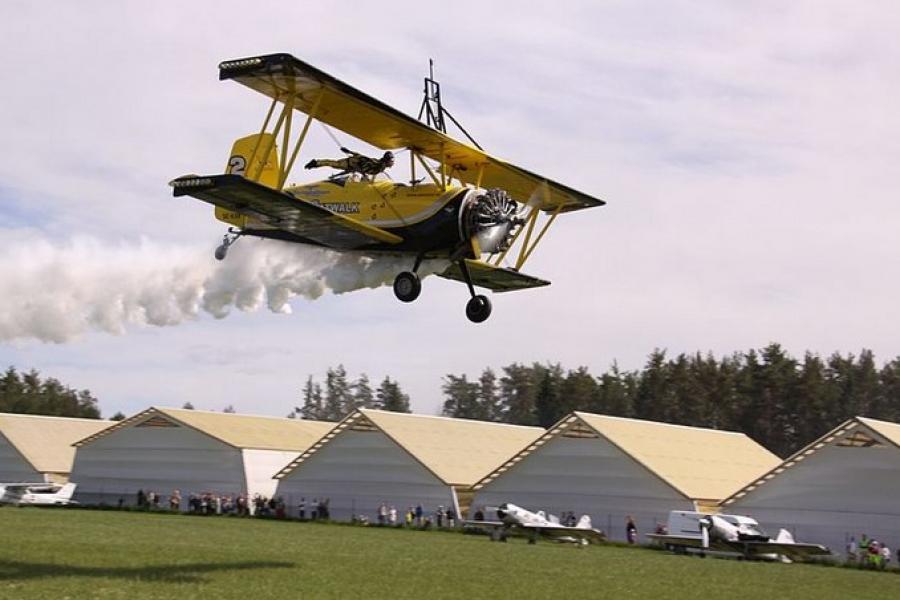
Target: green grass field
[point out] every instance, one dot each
(58, 554)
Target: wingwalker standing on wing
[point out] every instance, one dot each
(355, 163)
(467, 207)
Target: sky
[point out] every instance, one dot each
(747, 152)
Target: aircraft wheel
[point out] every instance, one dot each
(478, 309)
(407, 286)
(221, 252)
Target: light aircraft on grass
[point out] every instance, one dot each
(734, 535)
(539, 524)
(36, 493)
(469, 208)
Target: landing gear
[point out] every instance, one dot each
(407, 286)
(227, 240)
(478, 308)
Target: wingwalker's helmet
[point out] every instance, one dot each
(388, 158)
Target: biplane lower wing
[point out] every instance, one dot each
(283, 211)
(794, 551)
(496, 279)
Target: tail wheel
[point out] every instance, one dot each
(478, 309)
(407, 286)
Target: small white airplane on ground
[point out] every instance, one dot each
(37, 494)
(539, 524)
(731, 535)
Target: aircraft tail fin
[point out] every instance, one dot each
(785, 537)
(255, 157)
(584, 522)
(67, 491)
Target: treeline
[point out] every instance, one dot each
(27, 393)
(339, 396)
(780, 401)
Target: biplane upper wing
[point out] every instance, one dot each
(496, 279)
(282, 210)
(314, 92)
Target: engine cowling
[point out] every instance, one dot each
(490, 218)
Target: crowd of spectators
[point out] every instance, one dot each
(209, 503)
(868, 553)
(413, 517)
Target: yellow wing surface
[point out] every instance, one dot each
(281, 210)
(496, 279)
(314, 92)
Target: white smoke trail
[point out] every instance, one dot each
(54, 291)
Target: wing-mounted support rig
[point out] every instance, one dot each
(433, 109)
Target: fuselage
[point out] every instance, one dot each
(427, 217)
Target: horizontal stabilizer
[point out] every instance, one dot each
(282, 211)
(496, 279)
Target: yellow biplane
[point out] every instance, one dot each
(469, 207)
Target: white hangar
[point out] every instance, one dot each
(401, 460)
(193, 451)
(38, 449)
(843, 485)
(612, 467)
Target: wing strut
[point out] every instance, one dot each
(283, 127)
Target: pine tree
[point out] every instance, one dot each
(338, 398)
(547, 407)
(363, 397)
(312, 401)
(811, 400)
(390, 397)
(119, 416)
(29, 394)
(489, 397)
(652, 393)
(461, 398)
(866, 386)
(889, 385)
(517, 393)
(615, 393)
(578, 392)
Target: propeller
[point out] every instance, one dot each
(489, 217)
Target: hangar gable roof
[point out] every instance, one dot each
(888, 430)
(858, 432)
(240, 431)
(456, 451)
(701, 464)
(46, 442)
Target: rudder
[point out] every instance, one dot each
(246, 159)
